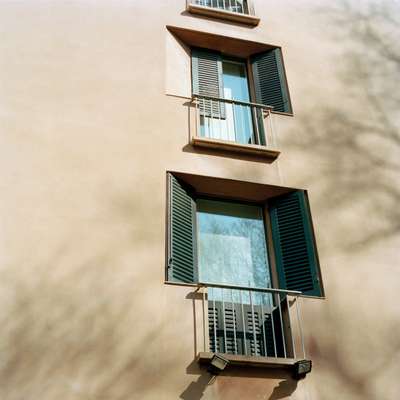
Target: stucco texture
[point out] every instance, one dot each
(90, 123)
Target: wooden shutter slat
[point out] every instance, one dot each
(181, 265)
(294, 244)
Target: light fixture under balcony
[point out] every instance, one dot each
(301, 369)
(217, 364)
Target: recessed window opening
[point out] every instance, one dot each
(236, 6)
(232, 121)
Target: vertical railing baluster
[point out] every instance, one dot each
(244, 325)
(234, 121)
(273, 330)
(254, 324)
(257, 138)
(220, 119)
(215, 324)
(223, 320)
(281, 320)
(300, 327)
(204, 319)
(197, 117)
(242, 114)
(290, 327)
(203, 111)
(213, 130)
(272, 125)
(234, 322)
(263, 325)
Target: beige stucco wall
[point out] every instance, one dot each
(87, 134)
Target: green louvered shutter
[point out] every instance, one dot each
(270, 80)
(294, 244)
(207, 80)
(181, 245)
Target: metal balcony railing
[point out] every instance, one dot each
(234, 121)
(252, 321)
(236, 6)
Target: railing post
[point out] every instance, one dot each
(244, 325)
(255, 118)
(282, 331)
(273, 331)
(223, 320)
(205, 325)
(300, 327)
(290, 327)
(234, 322)
(254, 323)
(197, 116)
(263, 325)
(215, 324)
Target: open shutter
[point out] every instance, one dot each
(181, 245)
(207, 80)
(270, 80)
(294, 244)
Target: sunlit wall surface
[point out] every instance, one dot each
(93, 112)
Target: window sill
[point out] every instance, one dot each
(231, 147)
(222, 14)
(250, 361)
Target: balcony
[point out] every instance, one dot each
(234, 126)
(250, 327)
(234, 10)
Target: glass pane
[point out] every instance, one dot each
(227, 121)
(236, 88)
(231, 244)
(235, 80)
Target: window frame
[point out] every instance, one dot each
(267, 234)
(245, 62)
(249, 18)
(267, 223)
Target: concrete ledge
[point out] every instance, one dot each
(223, 14)
(232, 147)
(250, 361)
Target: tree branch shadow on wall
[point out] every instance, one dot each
(354, 147)
(73, 319)
(198, 387)
(355, 144)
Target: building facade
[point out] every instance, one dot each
(190, 178)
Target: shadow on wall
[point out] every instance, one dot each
(355, 144)
(284, 389)
(68, 320)
(196, 389)
(223, 383)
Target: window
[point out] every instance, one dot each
(224, 86)
(237, 6)
(232, 10)
(221, 241)
(240, 250)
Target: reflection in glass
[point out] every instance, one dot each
(229, 121)
(232, 245)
